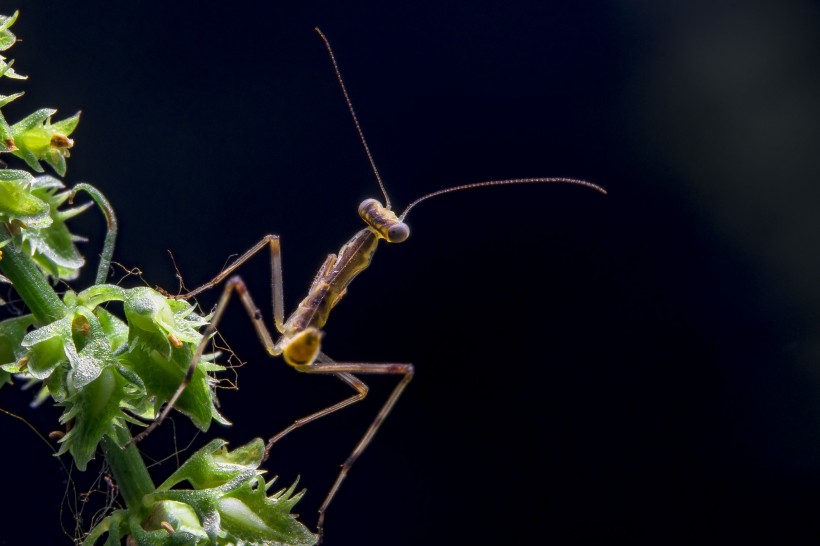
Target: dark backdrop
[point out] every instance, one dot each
(638, 368)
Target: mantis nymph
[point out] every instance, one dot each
(300, 334)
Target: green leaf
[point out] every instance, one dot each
(6, 136)
(12, 332)
(46, 347)
(66, 126)
(17, 202)
(7, 39)
(213, 465)
(31, 209)
(37, 139)
(88, 364)
(182, 518)
(230, 497)
(99, 294)
(53, 247)
(56, 159)
(151, 318)
(95, 411)
(35, 120)
(7, 71)
(115, 329)
(26, 155)
(96, 389)
(5, 99)
(250, 516)
(7, 20)
(116, 525)
(162, 376)
(161, 322)
(163, 338)
(90, 349)
(54, 251)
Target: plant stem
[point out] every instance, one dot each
(111, 232)
(31, 285)
(129, 470)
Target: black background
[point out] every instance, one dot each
(642, 367)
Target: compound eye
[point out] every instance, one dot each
(398, 233)
(367, 206)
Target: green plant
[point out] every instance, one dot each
(111, 356)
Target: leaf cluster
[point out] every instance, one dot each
(229, 505)
(102, 369)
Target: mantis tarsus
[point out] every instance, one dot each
(299, 341)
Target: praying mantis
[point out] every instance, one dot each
(299, 336)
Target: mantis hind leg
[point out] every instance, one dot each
(344, 371)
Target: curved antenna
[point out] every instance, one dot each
(572, 181)
(353, 115)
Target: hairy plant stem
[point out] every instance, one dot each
(30, 283)
(126, 464)
(129, 470)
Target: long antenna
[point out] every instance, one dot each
(353, 115)
(572, 181)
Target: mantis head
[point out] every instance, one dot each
(391, 227)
